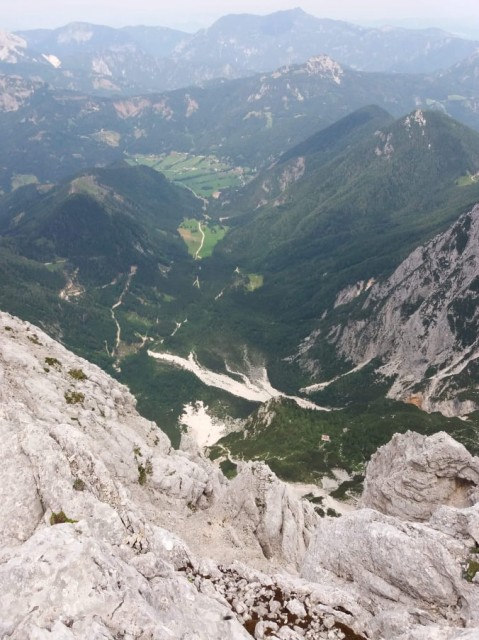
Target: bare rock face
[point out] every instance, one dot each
(392, 560)
(265, 509)
(413, 557)
(68, 581)
(413, 475)
(422, 322)
(80, 471)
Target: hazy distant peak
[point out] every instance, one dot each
(285, 19)
(75, 32)
(321, 65)
(12, 47)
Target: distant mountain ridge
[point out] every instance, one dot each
(262, 43)
(249, 121)
(108, 61)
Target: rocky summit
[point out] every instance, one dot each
(107, 532)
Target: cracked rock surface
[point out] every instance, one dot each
(410, 547)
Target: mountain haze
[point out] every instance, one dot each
(245, 43)
(107, 61)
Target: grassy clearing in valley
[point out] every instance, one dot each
(201, 238)
(55, 266)
(466, 180)
(255, 281)
(22, 180)
(205, 175)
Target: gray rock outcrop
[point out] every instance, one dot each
(413, 475)
(266, 510)
(94, 500)
(416, 566)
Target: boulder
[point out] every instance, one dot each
(413, 475)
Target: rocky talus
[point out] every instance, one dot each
(106, 532)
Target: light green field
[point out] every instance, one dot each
(466, 180)
(22, 179)
(255, 281)
(136, 320)
(205, 175)
(201, 238)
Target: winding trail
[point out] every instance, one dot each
(178, 327)
(322, 385)
(197, 254)
(118, 303)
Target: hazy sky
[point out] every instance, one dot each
(191, 14)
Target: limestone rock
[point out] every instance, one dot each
(64, 579)
(409, 562)
(413, 475)
(390, 558)
(264, 508)
(74, 451)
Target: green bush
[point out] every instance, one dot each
(79, 485)
(471, 570)
(144, 470)
(53, 362)
(77, 374)
(60, 518)
(74, 397)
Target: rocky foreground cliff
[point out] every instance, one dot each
(107, 532)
